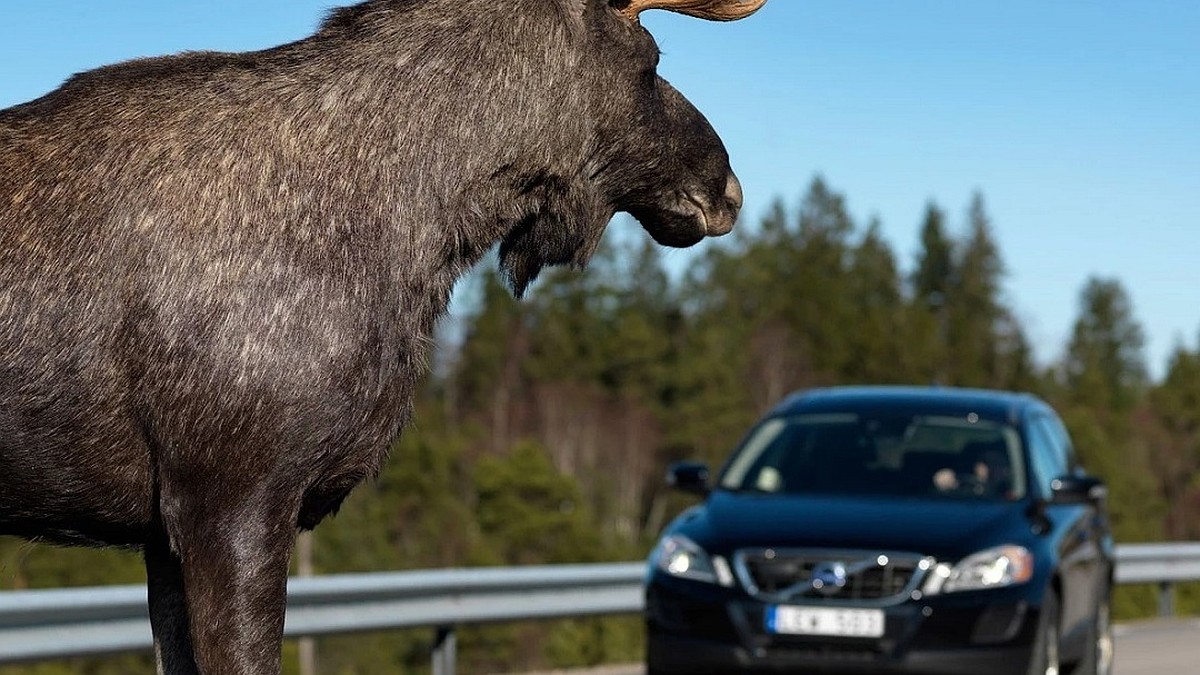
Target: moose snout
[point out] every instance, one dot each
(720, 220)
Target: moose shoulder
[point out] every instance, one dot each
(219, 273)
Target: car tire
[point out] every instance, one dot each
(1045, 659)
(1098, 659)
(653, 668)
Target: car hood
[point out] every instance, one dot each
(941, 528)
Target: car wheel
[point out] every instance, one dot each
(1098, 659)
(1045, 658)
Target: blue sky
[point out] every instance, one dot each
(1079, 120)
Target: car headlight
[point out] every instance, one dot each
(991, 568)
(681, 557)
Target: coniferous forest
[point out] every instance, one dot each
(544, 428)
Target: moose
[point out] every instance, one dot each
(220, 272)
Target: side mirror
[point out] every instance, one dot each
(1071, 489)
(688, 477)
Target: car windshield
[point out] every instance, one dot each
(886, 455)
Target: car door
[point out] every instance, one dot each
(1080, 540)
(1097, 523)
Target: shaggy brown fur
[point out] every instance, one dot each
(219, 273)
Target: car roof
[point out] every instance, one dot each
(995, 405)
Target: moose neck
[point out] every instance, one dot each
(464, 148)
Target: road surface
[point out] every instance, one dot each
(1158, 648)
(1148, 648)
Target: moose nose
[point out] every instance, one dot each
(733, 194)
(721, 222)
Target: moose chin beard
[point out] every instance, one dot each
(538, 241)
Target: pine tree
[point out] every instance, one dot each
(935, 262)
(875, 292)
(531, 513)
(928, 316)
(1105, 364)
(818, 308)
(974, 309)
(1103, 377)
(486, 380)
(1171, 421)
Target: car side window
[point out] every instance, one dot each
(1060, 448)
(1059, 432)
(1045, 458)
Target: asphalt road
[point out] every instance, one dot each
(1149, 648)
(1158, 648)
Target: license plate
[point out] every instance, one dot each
(791, 620)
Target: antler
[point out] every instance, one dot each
(713, 10)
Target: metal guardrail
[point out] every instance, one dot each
(38, 625)
(1161, 564)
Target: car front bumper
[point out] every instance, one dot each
(696, 629)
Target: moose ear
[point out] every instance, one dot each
(713, 10)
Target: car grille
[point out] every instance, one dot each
(780, 575)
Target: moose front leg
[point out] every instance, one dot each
(234, 566)
(168, 609)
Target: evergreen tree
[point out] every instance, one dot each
(639, 327)
(1171, 424)
(1016, 369)
(566, 311)
(877, 355)
(974, 309)
(1104, 376)
(1105, 365)
(818, 306)
(486, 377)
(529, 512)
(935, 262)
(929, 312)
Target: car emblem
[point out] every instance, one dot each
(828, 578)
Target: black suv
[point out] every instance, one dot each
(888, 529)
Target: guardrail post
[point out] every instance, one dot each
(1166, 599)
(445, 651)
